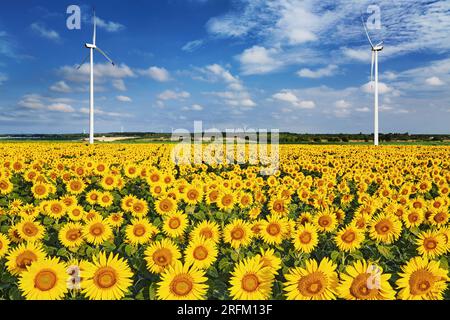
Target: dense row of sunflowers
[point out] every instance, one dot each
(125, 222)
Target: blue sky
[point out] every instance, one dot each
(293, 65)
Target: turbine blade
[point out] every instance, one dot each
(105, 55)
(84, 60)
(94, 37)
(367, 32)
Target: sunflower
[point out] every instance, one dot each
(75, 213)
(226, 201)
(385, 228)
(314, 282)
(278, 206)
(269, 259)
(40, 190)
(106, 278)
(422, 279)
(413, 218)
(201, 253)
(349, 239)
(161, 254)
(165, 206)
(175, 224)
(431, 244)
(182, 282)
(193, 194)
(251, 280)
(4, 245)
(56, 209)
(75, 186)
(365, 281)
(439, 217)
(105, 199)
(304, 218)
(139, 208)
(127, 202)
(44, 280)
(92, 197)
(97, 231)
(71, 235)
(6, 186)
(272, 229)
(326, 220)
(140, 231)
(116, 219)
(206, 229)
(238, 233)
(30, 230)
(108, 182)
(254, 213)
(305, 238)
(14, 235)
(22, 256)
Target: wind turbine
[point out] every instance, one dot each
(374, 70)
(93, 46)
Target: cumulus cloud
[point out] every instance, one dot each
(258, 60)
(434, 81)
(61, 86)
(328, 71)
(102, 71)
(32, 101)
(124, 99)
(119, 84)
(156, 73)
(292, 99)
(44, 32)
(383, 88)
(109, 26)
(61, 107)
(173, 95)
(194, 107)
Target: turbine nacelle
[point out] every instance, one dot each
(90, 46)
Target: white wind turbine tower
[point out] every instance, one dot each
(93, 46)
(374, 70)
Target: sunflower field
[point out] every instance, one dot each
(123, 221)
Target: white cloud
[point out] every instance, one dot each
(99, 111)
(61, 86)
(32, 101)
(191, 46)
(173, 95)
(383, 88)
(3, 78)
(258, 60)
(328, 71)
(310, 24)
(291, 98)
(342, 104)
(109, 26)
(194, 107)
(101, 71)
(363, 109)
(434, 81)
(119, 84)
(362, 55)
(45, 32)
(156, 73)
(124, 99)
(61, 107)
(197, 107)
